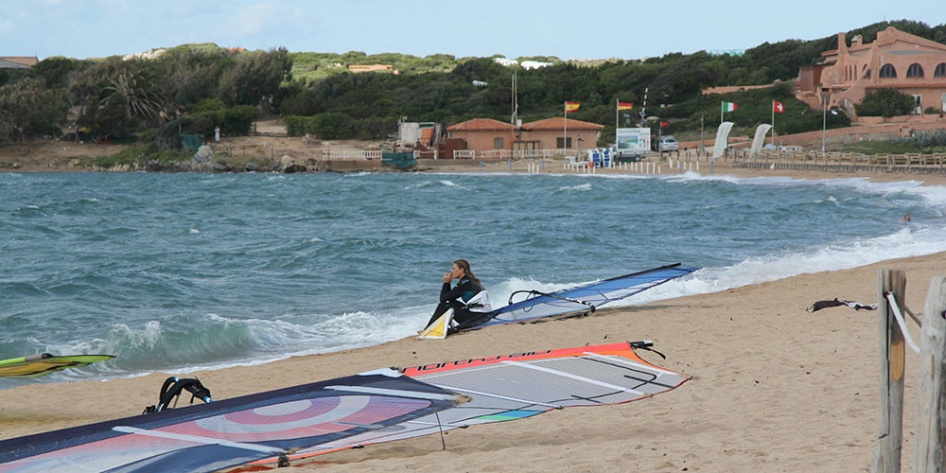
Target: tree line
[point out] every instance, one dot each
(196, 88)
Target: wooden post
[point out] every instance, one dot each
(892, 356)
(930, 450)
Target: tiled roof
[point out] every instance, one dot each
(4, 64)
(481, 124)
(28, 61)
(892, 35)
(558, 123)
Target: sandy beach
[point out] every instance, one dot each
(773, 388)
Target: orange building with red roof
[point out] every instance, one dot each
(487, 135)
(559, 133)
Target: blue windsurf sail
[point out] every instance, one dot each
(578, 300)
(223, 434)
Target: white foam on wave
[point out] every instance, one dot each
(449, 183)
(577, 188)
(910, 241)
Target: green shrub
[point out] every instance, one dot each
(129, 156)
(339, 126)
(238, 120)
(885, 103)
(209, 105)
(298, 126)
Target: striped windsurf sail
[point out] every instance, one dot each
(223, 434)
(521, 385)
(580, 299)
(42, 364)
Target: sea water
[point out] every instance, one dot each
(179, 272)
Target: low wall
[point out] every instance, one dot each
(347, 165)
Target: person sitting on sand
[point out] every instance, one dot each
(468, 298)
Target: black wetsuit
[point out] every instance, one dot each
(456, 297)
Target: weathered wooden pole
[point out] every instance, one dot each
(930, 448)
(892, 356)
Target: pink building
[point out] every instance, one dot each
(487, 134)
(559, 133)
(895, 60)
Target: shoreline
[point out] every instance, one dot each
(772, 386)
(58, 156)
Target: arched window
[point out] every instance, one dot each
(915, 70)
(887, 71)
(867, 74)
(940, 70)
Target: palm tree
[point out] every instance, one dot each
(138, 95)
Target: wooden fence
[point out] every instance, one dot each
(843, 162)
(930, 450)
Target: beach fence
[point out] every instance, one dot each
(929, 451)
(573, 164)
(843, 162)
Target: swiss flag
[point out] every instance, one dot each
(777, 107)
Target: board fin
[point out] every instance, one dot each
(439, 328)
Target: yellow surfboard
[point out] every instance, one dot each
(43, 364)
(439, 328)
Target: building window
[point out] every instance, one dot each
(915, 70)
(940, 70)
(867, 74)
(498, 143)
(888, 72)
(563, 143)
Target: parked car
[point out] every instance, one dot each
(668, 143)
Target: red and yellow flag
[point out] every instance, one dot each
(572, 106)
(625, 106)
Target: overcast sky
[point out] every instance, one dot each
(588, 29)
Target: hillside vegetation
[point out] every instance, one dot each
(196, 88)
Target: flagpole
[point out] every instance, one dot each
(773, 123)
(617, 104)
(565, 117)
(722, 106)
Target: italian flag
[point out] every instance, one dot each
(729, 107)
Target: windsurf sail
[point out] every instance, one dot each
(222, 434)
(582, 299)
(42, 364)
(440, 327)
(511, 387)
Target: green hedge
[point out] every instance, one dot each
(235, 121)
(339, 126)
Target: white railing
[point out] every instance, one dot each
(501, 154)
(351, 154)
